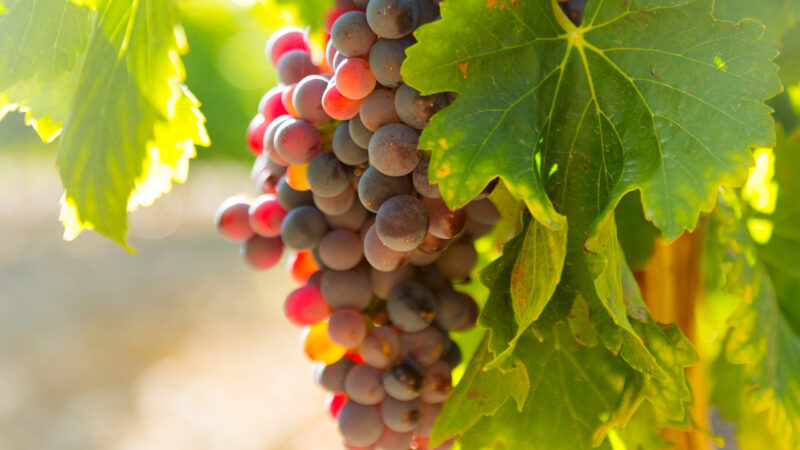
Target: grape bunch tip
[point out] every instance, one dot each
(342, 183)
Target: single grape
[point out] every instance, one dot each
(347, 328)
(351, 34)
(475, 229)
(421, 181)
(386, 57)
(338, 204)
(364, 385)
(255, 134)
(284, 40)
(295, 65)
(232, 219)
(307, 98)
(334, 402)
(384, 282)
(297, 141)
(457, 261)
(301, 266)
(359, 132)
(290, 198)
(305, 306)
(377, 110)
(352, 219)
(270, 105)
(400, 416)
(416, 110)
(345, 149)
(392, 440)
(438, 383)
(296, 177)
(423, 346)
(303, 227)
(427, 418)
(360, 424)
(483, 211)
(354, 79)
(266, 215)
(444, 222)
(381, 347)
(452, 309)
(393, 19)
(330, 52)
(261, 252)
(380, 256)
(393, 150)
(269, 139)
(411, 307)
(374, 188)
(346, 289)
(331, 376)
(453, 356)
(318, 346)
(402, 223)
(326, 175)
(420, 258)
(472, 318)
(340, 249)
(404, 381)
(337, 105)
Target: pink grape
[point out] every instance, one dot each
(262, 253)
(337, 105)
(232, 219)
(305, 306)
(266, 216)
(284, 40)
(297, 141)
(255, 134)
(271, 106)
(354, 79)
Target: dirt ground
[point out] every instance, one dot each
(179, 347)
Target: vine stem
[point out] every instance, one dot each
(672, 288)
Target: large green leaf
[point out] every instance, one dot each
(624, 102)
(41, 50)
(776, 15)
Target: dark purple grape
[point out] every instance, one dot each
(411, 307)
(421, 181)
(384, 282)
(331, 376)
(303, 228)
(345, 148)
(359, 133)
(326, 176)
(404, 381)
(452, 309)
(483, 211)
(416, 110)
(453, 356)
(352, 219)
(420, 258)
(385, 58)
(444, 222)
(377, 110)
(352, 35)
(423, 346)
(393, 19)
(457, 262)
(338, 204)
(290, 198)
(393, 150)
(402, 223)
(374, 188)
(262, 253)
(428, 11)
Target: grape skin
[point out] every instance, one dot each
(421, 181)
(399, 415)
(297, 141)
(380, 256)
(352, 35)
(402, 223)
(340, 249)
(232, 219)
(416, 110)
(393, 19)
(346, 289)
(381, 347)
(345, 148)
(411, 307)
(360, 425)
(377, 110)
(262, 253)
(374, 188)
(457, 261)
(331, 376)
(307, 98)
(303, 228)
(364, 385)
(404, 381)
(359, 133)
(393, 150)
(386, 57)
(352, 219)
(295, 65)
(326, 175)
(290, 198)
(338, 204)
(347, 328)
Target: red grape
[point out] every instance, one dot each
(284, 40)
(305, 306)
(266, 216)
(255, 134)
(271, 106)
(354, 79)
(337, 105)
(232, 220)
(262, 253)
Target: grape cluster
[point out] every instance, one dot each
(344, 185)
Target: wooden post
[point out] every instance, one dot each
(672, 288)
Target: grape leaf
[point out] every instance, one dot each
(571, 388)
(636, 235)
(480, 392)
(776, 15)
(132, 130)
(525, 276)
(41, 52)
(623, 100)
